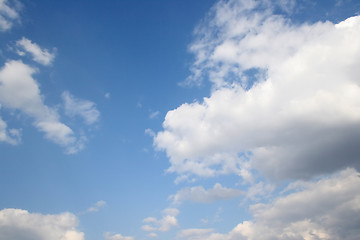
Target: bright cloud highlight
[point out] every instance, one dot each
(285, 99)
(42, 56)
(17, 224)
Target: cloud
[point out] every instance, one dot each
(107, 95)
(154, 115)
(109, 236)
(82, 108)
(200, 195)
(96, 207)
(42, 56)
(325, 209)
(152, 235)
(285, 98)
(17, 224)
(12, 136)
(164, 224)
(194, 233)
(8, 14)
(20, 91)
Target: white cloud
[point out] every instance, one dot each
(154, 115)
(164, 224)
(152, 235)
(78, 107)
(17, 224)
(96, 207)
(20, 91)
(42, 56)
(12, 136)
(201, 195)
(8, 14)
(285, 99)
(326, 209)
(195, 233)
(109, 236)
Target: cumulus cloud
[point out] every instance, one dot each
(17, 224)
(20, 91)
(285, 98)
(109, 236)
(164, 224)
(8, 14)
(201, 195)
(326, 209)
(42, 56)
(78, 107)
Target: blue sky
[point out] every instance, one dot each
(194, 120)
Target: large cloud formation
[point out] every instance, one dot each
(17, 224)
(285, 98)
(326, 209)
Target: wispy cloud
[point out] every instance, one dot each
(200, 195)
(78, 107)
(94, 208)
(154, 115)
(39, 55)
(8, 14)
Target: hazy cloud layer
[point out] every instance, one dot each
(200, 195)
(17, 224)
(285, 99)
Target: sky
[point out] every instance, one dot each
(184, 120)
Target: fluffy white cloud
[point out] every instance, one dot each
(20, 91)
(326, 209)
(8, 14)
(42, 56)
(109, 236)
(17, 224)
(201, 195)
(78, 107)
(285, 101)
(164, 224)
